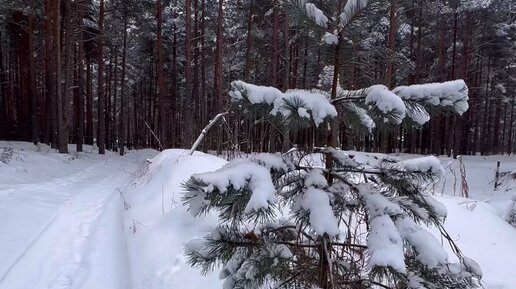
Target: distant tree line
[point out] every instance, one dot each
(152, 73)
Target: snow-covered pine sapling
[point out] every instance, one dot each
(358, 221)
(283, 222)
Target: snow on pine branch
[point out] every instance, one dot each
(314, 104)
(429, 250)
(453, 94)
(350, 10)
(386, 101)
(384, 244)
(330, 38)
(238, 174)
(429, 164)
(316, 14)
(322, 219)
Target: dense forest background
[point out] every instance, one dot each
(152, 73)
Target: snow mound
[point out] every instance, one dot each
(159, 226)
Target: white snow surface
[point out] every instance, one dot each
(62, 218)
(64, 224)
(163, 225)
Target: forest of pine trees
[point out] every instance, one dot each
(152, 73)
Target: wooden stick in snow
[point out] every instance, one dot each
(205, 131)
(153, 134)
(497, 175)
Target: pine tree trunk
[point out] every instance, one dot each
(391, 45)
(511, 126)
(3, 100)
(79, 130)
(159, 75)
(101, 136)
(123, 97)
(188, 105)
(274, 66)
(33, 97)
(89, 103)
(249, 44)
(50, 70)
(62, 137)
(175, 105)
(217, 77)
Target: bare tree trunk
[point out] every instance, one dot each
(123, 97)
(175, 95)
(114, 102)
(511, 125)
(485, 130)
(62, 140)
(188, 135)
(159, 75)
(50, 73)
(34, 113)
(249, 43)
(274, 66)
(3, 100)
(101, 137)
(391, 45)
(79, 139)
(89, 103)
(217, 77)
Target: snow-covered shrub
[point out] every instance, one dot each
(6, 155)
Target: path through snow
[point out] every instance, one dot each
(66, 232)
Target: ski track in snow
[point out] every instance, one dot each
(65, 233)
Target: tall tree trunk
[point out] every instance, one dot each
(249, 44)
(68, 59)
(175, 106)
(62, 139)
(89, 103)
(123, 97)
(79, 130)
(50, 70)
(33, 98)
(217, 76)
(159, 75)
(101, 137)
(486, 128)
(114, 107)
(511, 126)
(188, 135)
(3, 100)
(274, 66)
(391, 45)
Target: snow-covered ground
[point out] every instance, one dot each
(90, 221)
(61, 218)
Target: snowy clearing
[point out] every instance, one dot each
(65, 225)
